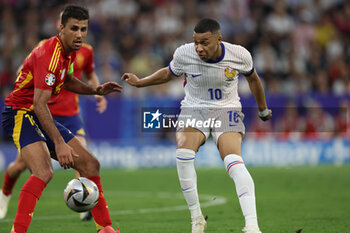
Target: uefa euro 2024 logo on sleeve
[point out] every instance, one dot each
(151, 120)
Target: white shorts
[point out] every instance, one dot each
(214, 121)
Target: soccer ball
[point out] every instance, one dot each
(81, 194)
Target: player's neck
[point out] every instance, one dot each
(218, 53)
(66, 48)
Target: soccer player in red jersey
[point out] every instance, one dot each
(66, 112)
(37, 136)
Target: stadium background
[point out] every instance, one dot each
(300, 50)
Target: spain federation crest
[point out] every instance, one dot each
(230, 73)
(50, 79)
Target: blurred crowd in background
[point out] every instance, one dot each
(299, 47)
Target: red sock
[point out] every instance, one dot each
(30, 194)
(100, 212)
(9, 183)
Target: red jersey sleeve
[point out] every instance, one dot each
(44, 64)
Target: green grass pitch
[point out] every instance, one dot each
(314, 199)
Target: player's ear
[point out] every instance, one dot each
(219, 38)
(61, 26)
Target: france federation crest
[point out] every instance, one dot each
(230, 73)
(50, 79)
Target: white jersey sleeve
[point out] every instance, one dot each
(176, 66)
(247, 61)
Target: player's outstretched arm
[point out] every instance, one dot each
(160, 76)
(64, 152)
(75, 85)
(258, 91)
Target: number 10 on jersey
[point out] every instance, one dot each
(215, 94)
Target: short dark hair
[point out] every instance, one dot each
(207, 25)
(74, 11)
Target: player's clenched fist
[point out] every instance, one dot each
(132, 79)
(265, 115)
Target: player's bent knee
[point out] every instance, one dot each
(45, 175)
(17, 166)
(20, 166)
(89, 167)
(95, 164)
(190, 145)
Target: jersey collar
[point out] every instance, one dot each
(64, 54)
(220, 58)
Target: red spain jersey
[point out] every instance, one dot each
(67, 103)
(46, 67)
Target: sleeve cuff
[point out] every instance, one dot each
(173, 72)
(250, 72)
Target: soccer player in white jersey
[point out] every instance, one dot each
(211, 68)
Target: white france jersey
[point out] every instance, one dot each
(211, 83)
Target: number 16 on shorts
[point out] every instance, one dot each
(233, 118)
